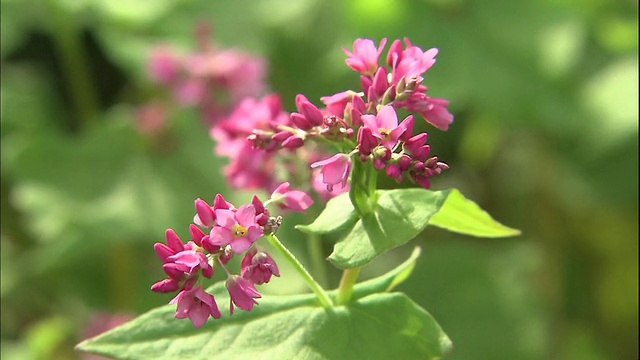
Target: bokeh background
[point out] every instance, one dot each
(545, 138)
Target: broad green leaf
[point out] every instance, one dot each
(283, 327)
(389, 280)
(338, 213)
(400, 215)
(461, 215)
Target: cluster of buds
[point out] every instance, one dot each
(231, 232)
(239, 134)
(214, 80)
(367, 126)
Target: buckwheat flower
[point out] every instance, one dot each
(438, 115)
(174, 246)
(190, 91)
(335, 170)
(384, 126)
(366, 141)
(311, 112)
(286, 198)
(205, 216)
(164, 65)
(409, 63)
(321, 189)
(192, 260)
(257, 266)
(336, 103)
(243, 293)
(151, 118)
(236, 228)
(365, 56)
(433, 110)
(197, 305)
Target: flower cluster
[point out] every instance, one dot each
(250, 166)
(214, 80)
(365, 124)
(231, 232)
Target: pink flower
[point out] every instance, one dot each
(365, 56)
(236, 228)
(257, 266)
(151, 118)
(190, 261)
(197, 305)
(321, 188)
(366, 141)
(295, 200)
(335, 170)
(433, 110)
(410, 63)
(438, 115)
(336, 103)
(174, 246)
(242, 293)
(312, 115)
(205, 216)
(385, 127)
(190, 91)
(164, 65)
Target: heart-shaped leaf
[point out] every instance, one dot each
(288, 327)
(461, 215)
(338, 214)
(400, 215)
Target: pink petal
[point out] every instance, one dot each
(225, 218)
(241, 244)
(246, 215)
(220, 236)
(387, 118)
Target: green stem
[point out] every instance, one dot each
(66, 36)
(322, 295)
(347, 282)
(359, 189)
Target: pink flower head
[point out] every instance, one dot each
(311, 113)
(257, 266)
(164, 65)
(286, 198)
(384, 126)
(410, 63)
(335, 170)
(197, 305)
(205, 215)
(243, 293)
(190, 91)
(236, 228)
(336, 103)
(190, 261)
(433, 110)
(366, 141)
(365, 56)
(438, 115)
(151, 118)
(174, 246)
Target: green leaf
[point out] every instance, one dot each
(338, 214)
(389, 280)
(283, 327)
(400, 215)
(461, 215)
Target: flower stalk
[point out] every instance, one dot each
(348, 280)
(321, 294)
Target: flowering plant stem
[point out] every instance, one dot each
(322, 295)
(363, 187)
(347, 282)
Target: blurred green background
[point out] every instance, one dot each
(545, 138)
